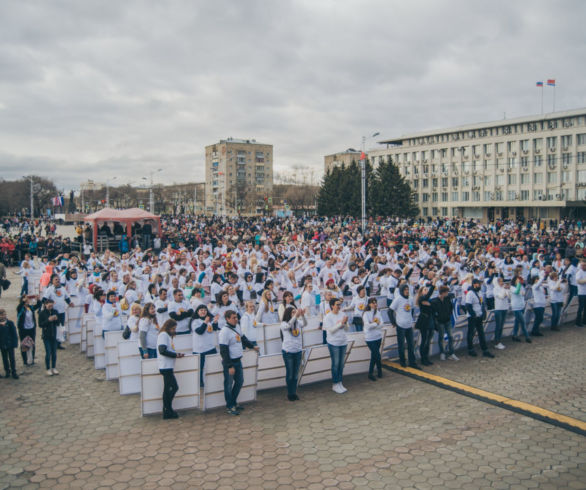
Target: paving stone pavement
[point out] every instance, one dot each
(75, 430)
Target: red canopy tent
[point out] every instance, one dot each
(127, 216)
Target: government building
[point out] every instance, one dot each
(528, 167)
(239, 177)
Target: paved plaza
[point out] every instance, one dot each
(75, 430)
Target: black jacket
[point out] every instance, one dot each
(49, 327)
(442, 310)
(8, 336)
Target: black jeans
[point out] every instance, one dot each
(358, 323)
(375, 360)
(22, 334)
(292, 362)
(202, 363)
(581, 316)
(538, 312)
(50, 353)
(9, 361)
(402, 335)
(475, 326)
(170, 387)
(427, 332)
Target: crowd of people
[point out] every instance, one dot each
(219, 280)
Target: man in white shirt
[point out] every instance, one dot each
(180, 310)
(476, 316)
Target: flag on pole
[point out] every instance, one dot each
(362, 155)
(539, 84)
(551, 82)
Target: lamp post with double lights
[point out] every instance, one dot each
(108, 190)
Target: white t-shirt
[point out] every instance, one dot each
(335, 325)
(148, 326)
(165, 362)
(403, 308)
(232, 337)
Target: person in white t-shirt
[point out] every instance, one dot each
(166, 360)
(292, 324)
(148, 332)
(373, 335)
(336, 324)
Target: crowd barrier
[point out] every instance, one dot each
(74, 317)
(122, 361)
(111, 340)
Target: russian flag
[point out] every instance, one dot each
(539, 84)
(551, 82)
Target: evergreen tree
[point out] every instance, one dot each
(391, 195)
(327, 198)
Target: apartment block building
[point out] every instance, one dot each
(529, 167)
(239, 176)
(341, 158)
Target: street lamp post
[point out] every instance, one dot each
(151, 196)
(108, 190)
(363, 180)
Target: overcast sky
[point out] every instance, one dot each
(97, 88)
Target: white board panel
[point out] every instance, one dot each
(111, 340)
(318, 366)
(73, 322)
(187, 375)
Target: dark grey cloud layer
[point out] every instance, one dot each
(93, 89)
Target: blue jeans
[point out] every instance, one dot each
(402, 335)
(233, 383)
(539, 311)
(151, 352)
(50, 353)
(338, 355)
(499, 323)
(556, 310)
(358, 323)
(292, 364)
(520, 321)
(445, 328)
(202, 363)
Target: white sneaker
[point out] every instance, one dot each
(442, 357)
(454, 357)
(342, 389)
(49, 372)
(500, 346)
(336, 388)
(55, 371)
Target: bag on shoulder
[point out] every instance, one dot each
(126, 333)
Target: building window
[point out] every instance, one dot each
(566, 158)
(510, 146)
(537, 194)
(498, 195)
(425, 197)
(487, 180)
(434, 211)
(581, 139)
(455, 196)
(434, 196)
(525, 179)
(512, 179)
(551, 141)
(425, 183)
(500, 147)
(415, 184)
(538, 160)
(581, 158)
(500, 180)
(511, 195)
(582, 176)
(476, 196)
(444, 196)
(487, 195)
(524, 195)
(512, 162)
(565, 177)
(487, 148)
(538, 178)
(444, 182)
(465, 196)
(524, 161)
(537, 144)
(551, 161)
(444, 211)
(524, 145)
(552, 178)
(566, 140)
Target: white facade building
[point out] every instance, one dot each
(530, 167)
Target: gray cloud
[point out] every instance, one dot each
(94, 89)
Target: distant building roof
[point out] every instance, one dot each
(242, 141)
(490, 124)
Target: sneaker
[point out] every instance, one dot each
(500, 346)
(342, 389)
(442, 357)
(454, 357)
(49, 372)
(291, 398)
(537, 334)
(371, 377)
(488, 354)
(55, 371)
(15, 376)
(528, 340)
(472, 353)
(555, 329)
(240, 408)
(335, 388)
(232, 411)
(403, 363)
(514, 338)
(380, 375)
(415, 366)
